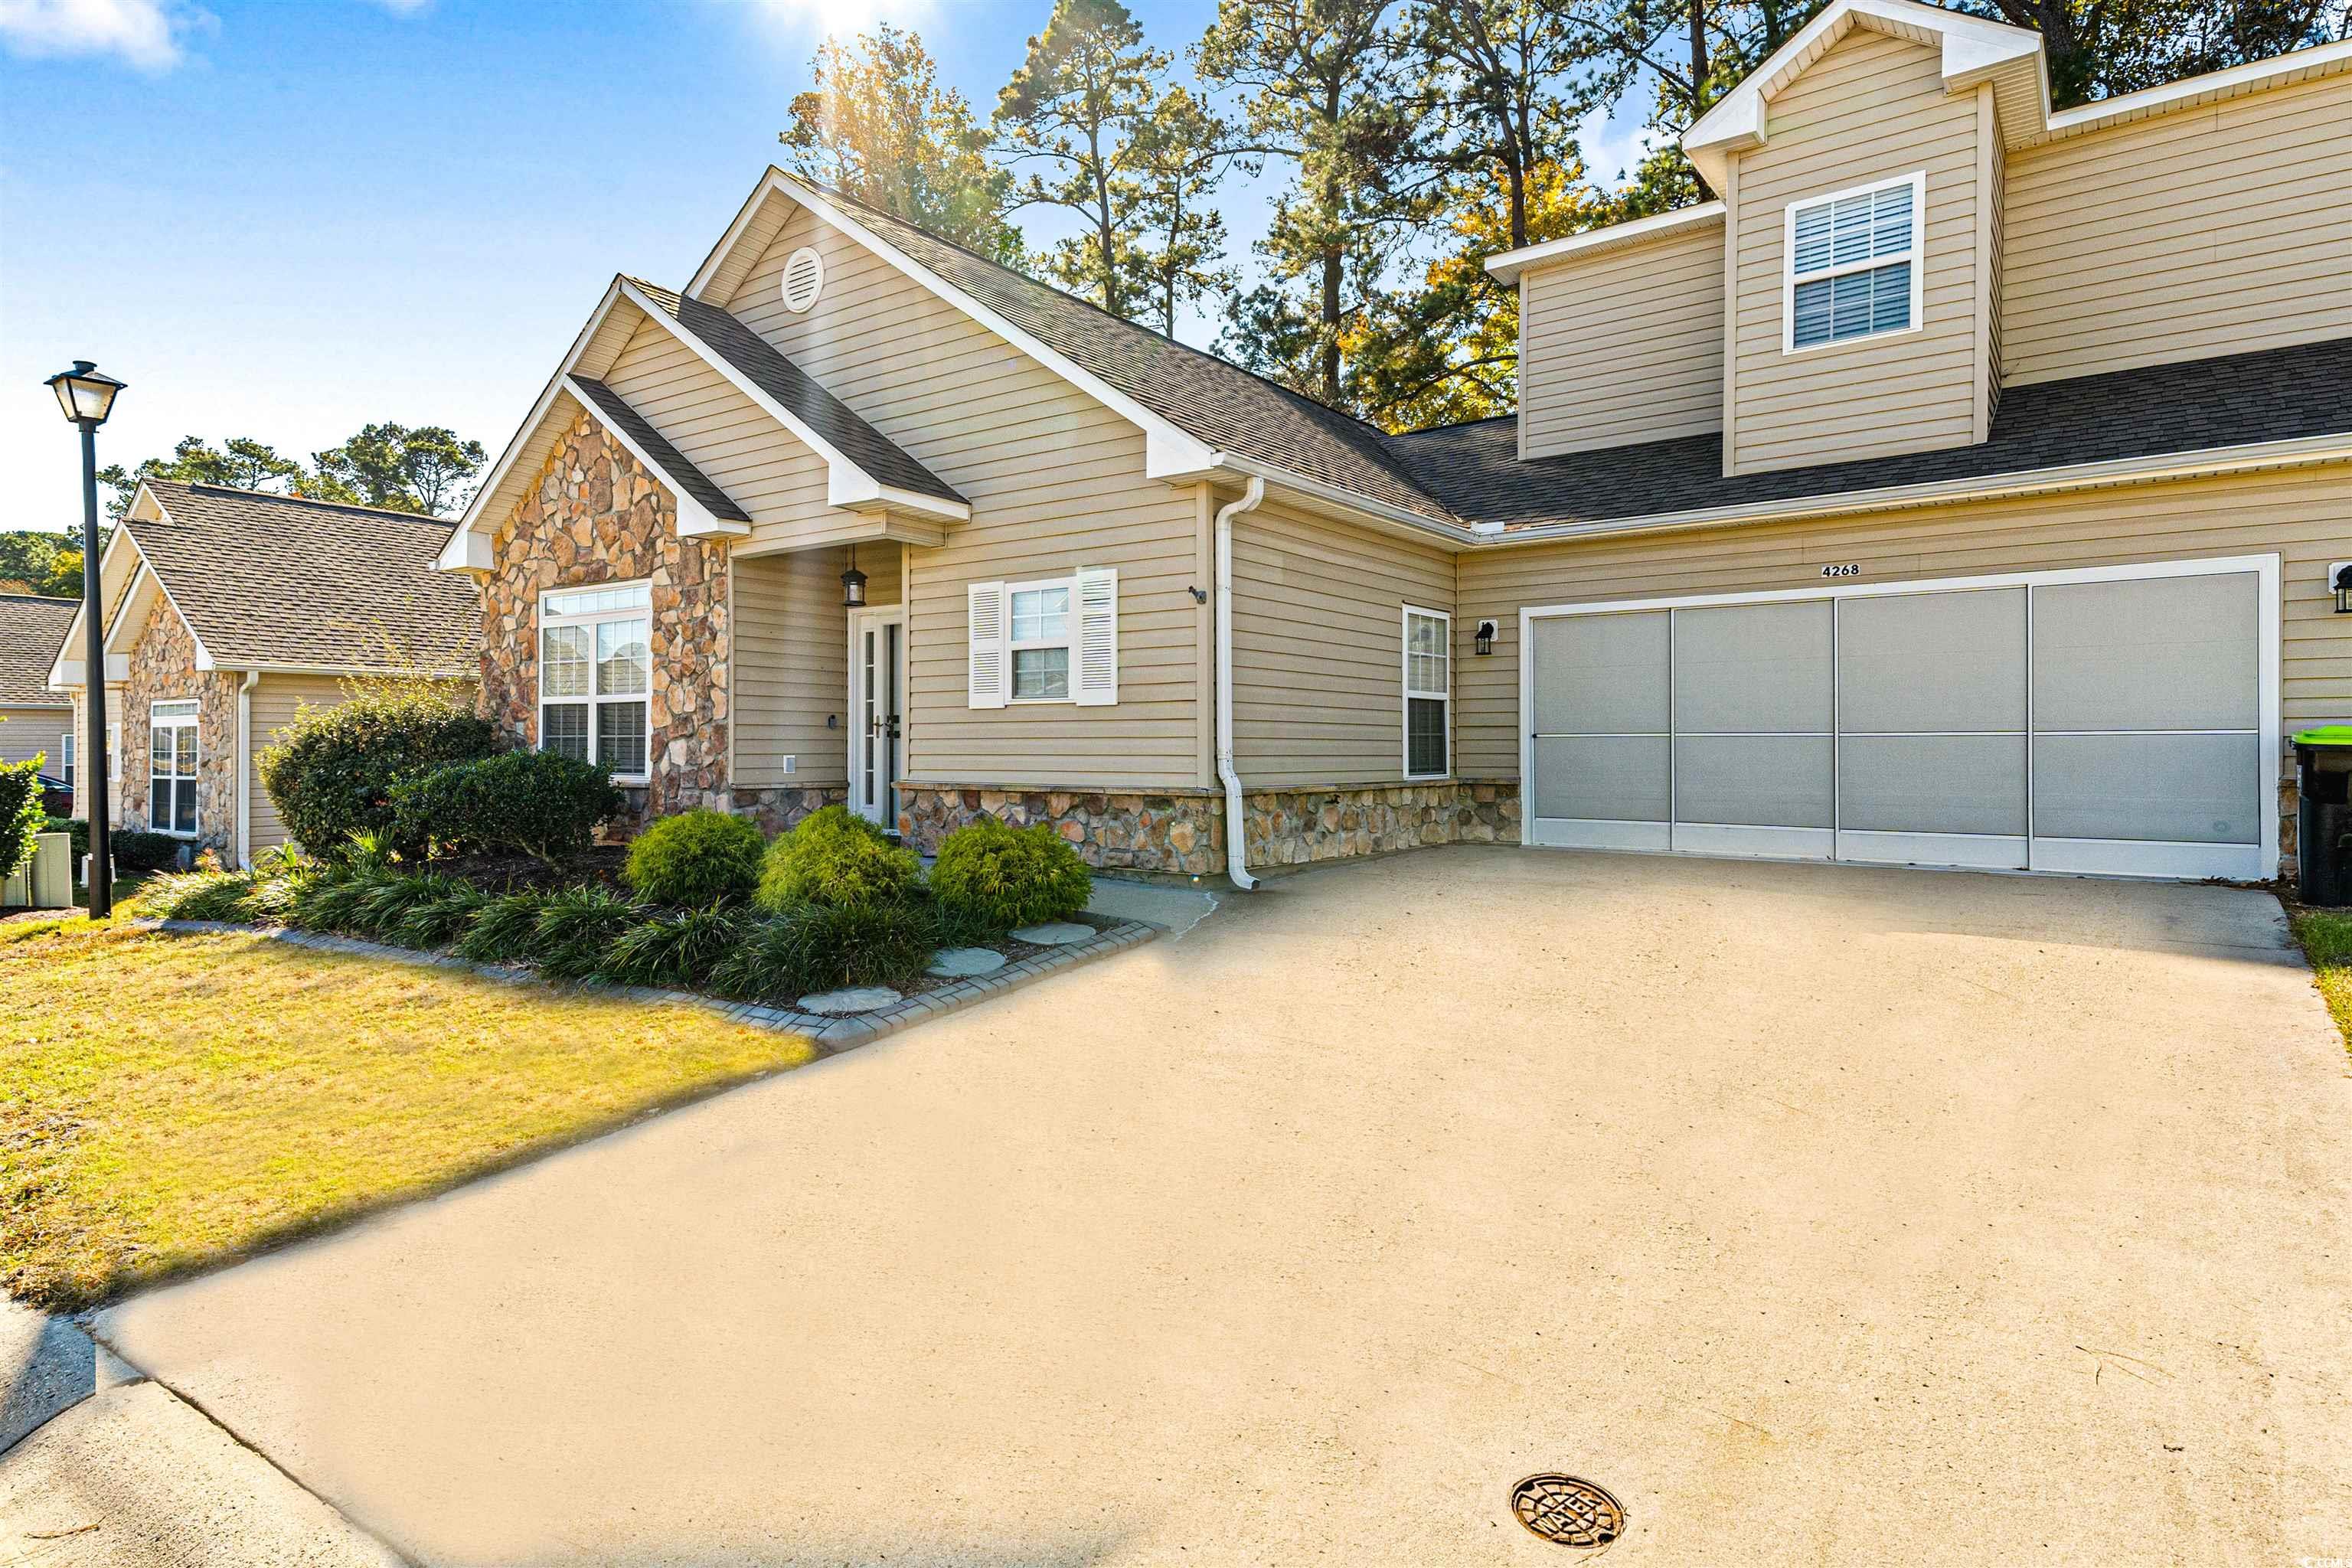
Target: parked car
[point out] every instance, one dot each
(56, 797)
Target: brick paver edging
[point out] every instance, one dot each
(829, 1034)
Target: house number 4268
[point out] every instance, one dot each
(1850, 569)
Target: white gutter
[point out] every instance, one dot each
(1235, 848)
(244, 769)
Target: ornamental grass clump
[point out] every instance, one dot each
(823, 947)
(332, 901)
(674, 949)
(836, 859)
(995, 877)
(578, 926)
(696, 858)
(505, 930)
(440, 911)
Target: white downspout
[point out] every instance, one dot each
(244, 769)
(1235, 848)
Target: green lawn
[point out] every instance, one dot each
(169, 1102)
(2326, 940)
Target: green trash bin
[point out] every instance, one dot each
(2323, 818)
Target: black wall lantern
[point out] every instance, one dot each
(853, 583)
(2340, 577)
(1485, 639)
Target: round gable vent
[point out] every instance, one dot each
(803, 276)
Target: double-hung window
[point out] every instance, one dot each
(595, 669)
(69, 753)
(65, 759)
(1428, 693)
(172, 760)
(1041, 641)
(1854, 264)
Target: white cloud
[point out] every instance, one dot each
(799, 20)
(147, 33)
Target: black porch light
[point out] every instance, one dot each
(2342, 584)
(853, 583)
(1484, 640)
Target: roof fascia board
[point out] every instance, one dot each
(2286, 69)
(1973, 49)
(693, 517)
(1170, 452)
(725, 250)
(847, 485)
(1507, 265)
(2299, 452)
(362, 670)
(147, 572)
(466, 550)
(118, 542)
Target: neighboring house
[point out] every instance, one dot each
(227, 610)
(33, 718)
(1962, 488)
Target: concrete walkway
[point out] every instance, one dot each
(1825, 1215)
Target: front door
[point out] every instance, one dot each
(878, 684)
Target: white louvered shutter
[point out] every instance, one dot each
(1097, 682)
(991, 666)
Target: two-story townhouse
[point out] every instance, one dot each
(1963, 487)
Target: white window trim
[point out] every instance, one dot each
(1409, 694)
(65, 759)
(1068, 640)
(1917, 255)
(194, 720)
(594, 699)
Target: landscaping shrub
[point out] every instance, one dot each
(333, 773)
(133, 851)
(837, 858)
(533, 802)
(820, 947)
(505, 930)
(204, 896)
(22, 813)
(762, 966)
(332, 901)
(383, 910)
(678, 949)
(696, 858)
(438, 920)
(997, 877)
(577, 926)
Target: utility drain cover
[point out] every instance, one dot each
(1566, 1509)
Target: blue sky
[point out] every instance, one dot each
(286, 220)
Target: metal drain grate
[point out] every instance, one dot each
(1570, 1510)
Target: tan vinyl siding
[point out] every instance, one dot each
(791, 663)
(2214, 230)
(763, 467)
(276, 698)
(1623, 346)
(2303, 516)
(1873, 108)
(1056, 482)
(1318, 649)
(27, 732)
(80, 721)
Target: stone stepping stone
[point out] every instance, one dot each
(857, 999)
(1058, 933)
(964, 963)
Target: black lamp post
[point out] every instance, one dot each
(88, 397)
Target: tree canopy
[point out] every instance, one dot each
(427, 469)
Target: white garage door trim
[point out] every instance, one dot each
(2135, 858)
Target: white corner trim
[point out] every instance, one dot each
(847, 484)
(693, 517)
(1171, 451)
(2299, 452)
(245, 768)
(1507, 266)
(1972, 48)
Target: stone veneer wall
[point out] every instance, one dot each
(596, 515)
(1183, 832)
(777, 809)
(164, 669)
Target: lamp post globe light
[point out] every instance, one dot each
(87, 396)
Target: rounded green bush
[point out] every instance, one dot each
(696, 858)
(837, 860)
(332, 773)
(539, 804)
(997, 877)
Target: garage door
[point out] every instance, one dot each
(2107, 721)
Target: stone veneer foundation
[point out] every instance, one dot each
(596, 515)
(777, 809)
(1182, 832)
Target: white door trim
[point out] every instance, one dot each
(2186, 861)
(861, 733)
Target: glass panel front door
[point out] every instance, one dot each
(877, 678)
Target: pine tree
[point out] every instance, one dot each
(1179, 156)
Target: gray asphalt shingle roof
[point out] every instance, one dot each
(2273, 394)
(792, 387)
(1218, 404)
(615, 412)
(277, 580)
(32, 630)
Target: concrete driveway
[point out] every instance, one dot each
(1825, 1215)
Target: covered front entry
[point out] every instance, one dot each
(2113, 720)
